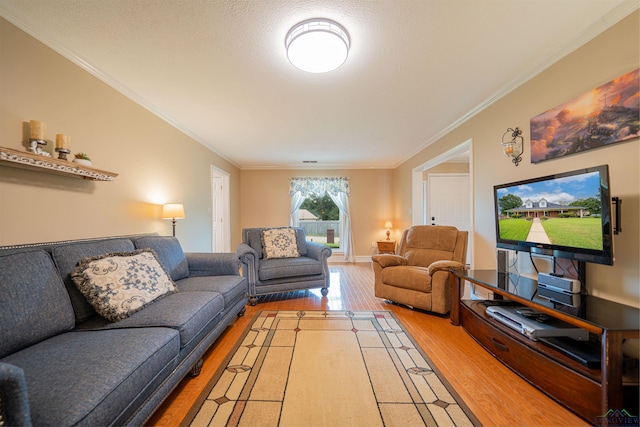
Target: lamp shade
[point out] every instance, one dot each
(173, 211)
(388, 224)
(317, 45)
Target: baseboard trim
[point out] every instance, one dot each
(339, 259)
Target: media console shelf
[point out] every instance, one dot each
(588, 392)
(26, 160)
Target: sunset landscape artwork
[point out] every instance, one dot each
(603, 116)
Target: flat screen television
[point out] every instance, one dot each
(565, 215)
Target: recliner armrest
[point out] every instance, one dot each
(213, 264)
(14, 404)
(444, 265)
(389, 260)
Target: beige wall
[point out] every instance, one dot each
(265, 201)
(156, 162)
(611, 54)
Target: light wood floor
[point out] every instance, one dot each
(496, 395)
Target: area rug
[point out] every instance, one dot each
(328, 368)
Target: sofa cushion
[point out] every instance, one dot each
(231, 287)
(288, 267)
(66, 257)
(169, 253)
(407, 277)
(186, 312)
(87, 378)
(120, 284)
(34, 304)
(280, 243)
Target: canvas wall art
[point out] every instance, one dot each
(605, 115)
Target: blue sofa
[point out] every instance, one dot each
(61, 364)
(309, 270)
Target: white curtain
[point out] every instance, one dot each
(346, 240)
(296, 200)
(338, 190)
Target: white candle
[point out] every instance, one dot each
(37, 129)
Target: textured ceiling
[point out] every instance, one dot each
(218, 70)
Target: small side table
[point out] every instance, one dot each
(386, 246)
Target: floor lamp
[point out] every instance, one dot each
(173, 211)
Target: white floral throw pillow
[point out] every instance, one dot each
(280, 243)
(119, 284)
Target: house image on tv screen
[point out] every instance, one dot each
(542, 208)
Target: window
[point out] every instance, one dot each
(320, 218)
(300, 189)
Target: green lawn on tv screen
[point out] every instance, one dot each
(514, 229)
(574, 232)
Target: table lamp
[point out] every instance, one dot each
(173, 211)
(388, 225)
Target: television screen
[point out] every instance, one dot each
(566, 215)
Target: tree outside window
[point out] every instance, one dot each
(322, 228)
(322, 207)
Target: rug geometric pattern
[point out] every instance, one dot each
(328, 368)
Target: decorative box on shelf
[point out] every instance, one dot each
(26, 160)
(386, 246)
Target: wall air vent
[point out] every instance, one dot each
(309, 161)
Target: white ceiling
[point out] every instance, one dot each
(218, 70)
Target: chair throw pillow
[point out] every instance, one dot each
(280, 243)
(120, 284)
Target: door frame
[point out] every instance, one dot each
(418, 214)
(225, 238)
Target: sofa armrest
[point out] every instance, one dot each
(389, 260)
(14, 402)
(318, 251)
(250, 263)
(444, 266)
(213, 264)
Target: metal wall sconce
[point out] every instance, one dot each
(513, 148)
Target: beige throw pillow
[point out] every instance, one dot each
(280, 243)
(120, 284)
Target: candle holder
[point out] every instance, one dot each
(35, 147)
(62, 153)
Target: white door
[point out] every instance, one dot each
(219, 211)
(448, 201)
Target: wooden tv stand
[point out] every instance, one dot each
(590, 393)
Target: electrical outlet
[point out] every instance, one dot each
(373, 244)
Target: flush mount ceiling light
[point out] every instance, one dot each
(317, 45)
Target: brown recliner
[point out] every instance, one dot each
(418, 275)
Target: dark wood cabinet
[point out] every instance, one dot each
(588, 392)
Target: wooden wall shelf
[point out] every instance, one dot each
(26, 160)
